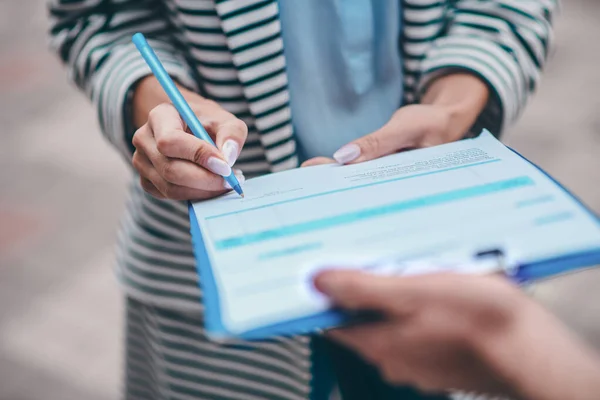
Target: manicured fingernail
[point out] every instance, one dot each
(230, 151)
(218, 166)
(240, 177)
(346, 154)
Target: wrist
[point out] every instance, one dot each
(461, 97)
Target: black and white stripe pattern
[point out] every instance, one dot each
(169, 357)
(232, 51)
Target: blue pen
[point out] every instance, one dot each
(177, 98)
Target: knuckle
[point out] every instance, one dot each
(233, 126)
(135, 161)
(154, 114)
(158, 111)
(208, 122)
(240, 126)
(169, 171)
(137, 137)
(201, 154)
(371, 142)
(164, 144)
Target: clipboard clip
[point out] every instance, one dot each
(510, 269)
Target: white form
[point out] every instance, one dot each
(425, 203)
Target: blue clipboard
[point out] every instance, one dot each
(212, 309)
(212, 315)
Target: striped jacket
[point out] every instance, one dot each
(232, 51)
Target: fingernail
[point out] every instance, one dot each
(240, 177)
(230, 151)
(218, 166)
(346, 154)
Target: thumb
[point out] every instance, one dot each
(382, 142)
(355, 290)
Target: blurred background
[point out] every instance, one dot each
(62, 190)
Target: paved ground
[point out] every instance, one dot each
(62, 191)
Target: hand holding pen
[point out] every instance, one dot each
(173, 163)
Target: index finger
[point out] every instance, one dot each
(356, 290)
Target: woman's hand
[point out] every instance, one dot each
(448, 109)
(171, 162)
(472, 333)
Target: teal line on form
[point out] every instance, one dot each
(379, 211)
(549, 219)
(354, 187)
(535, 201)
(290, 250)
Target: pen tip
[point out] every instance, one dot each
(238, 190)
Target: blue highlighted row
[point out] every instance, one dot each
(379, 211)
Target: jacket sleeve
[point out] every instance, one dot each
(504, 42)
(93, 39)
